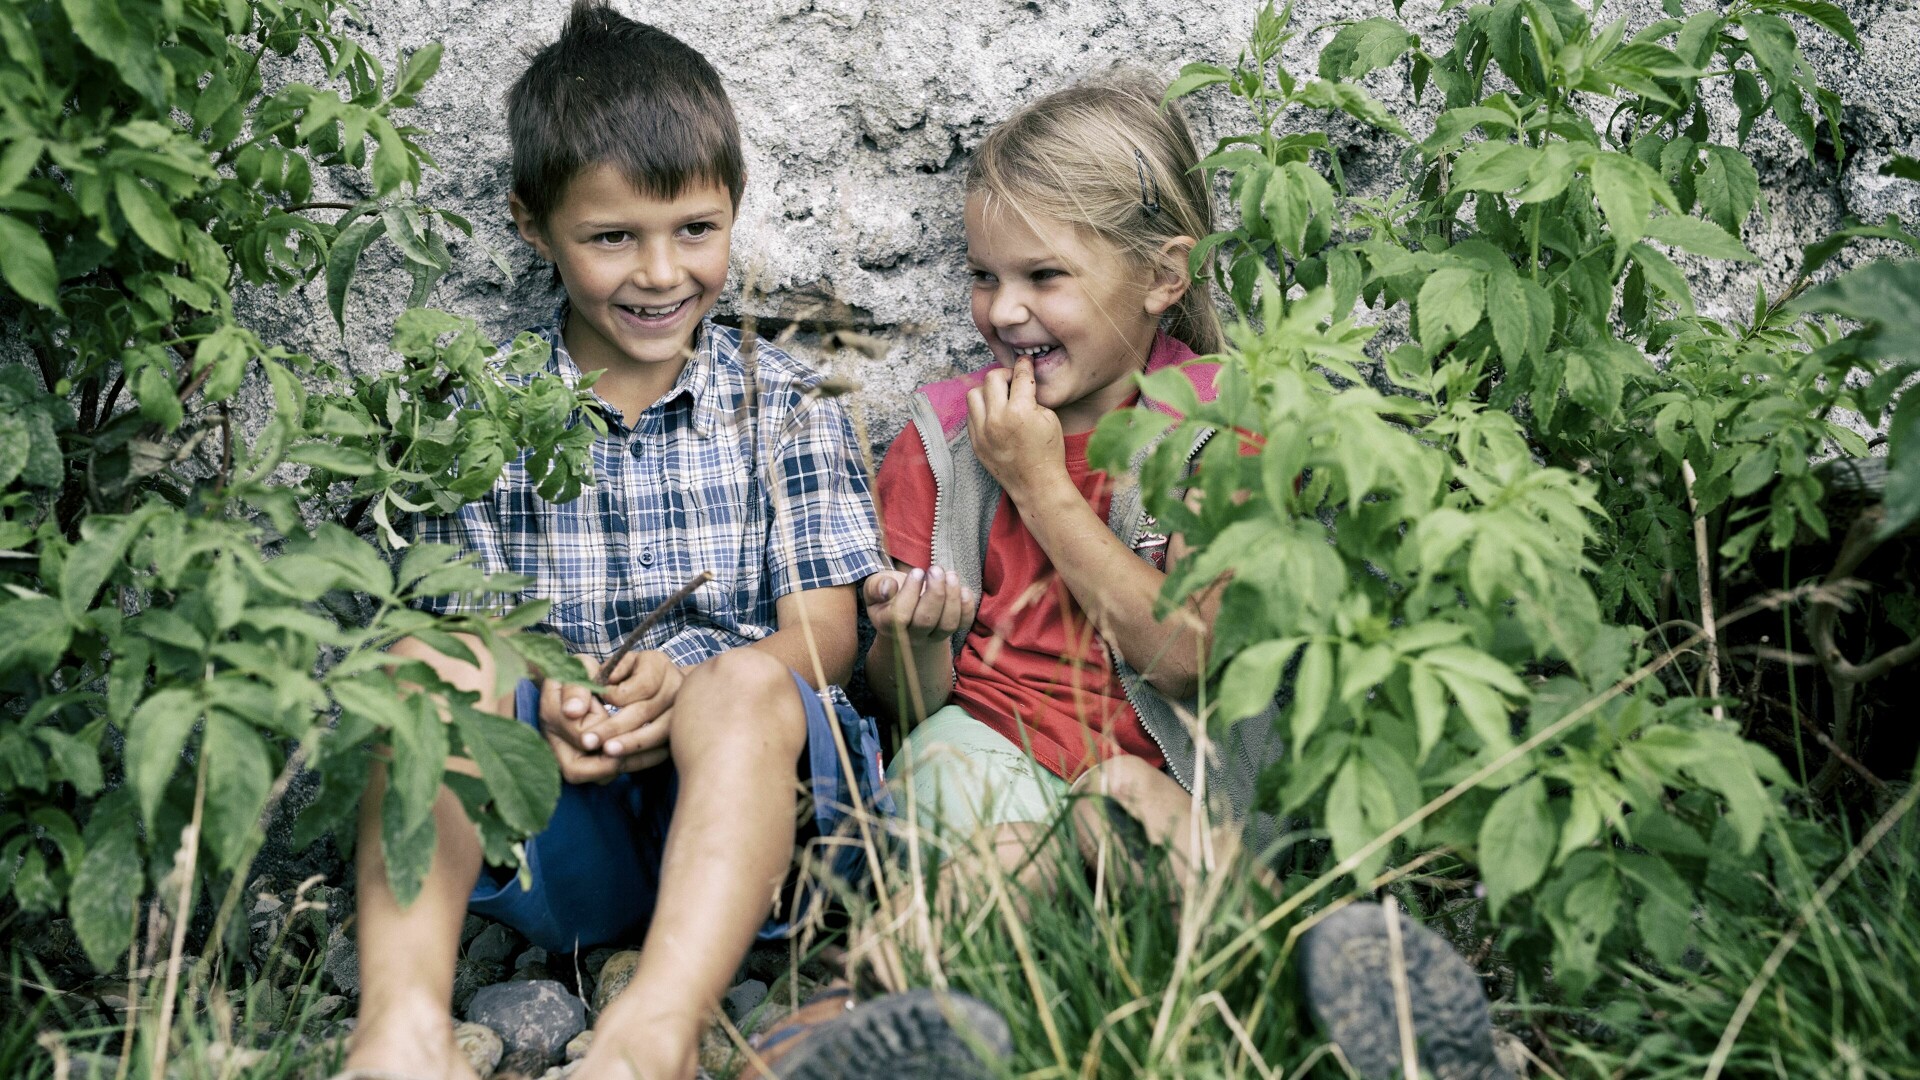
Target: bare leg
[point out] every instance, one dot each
(1162, 807)
(738, 731)
(407, 953)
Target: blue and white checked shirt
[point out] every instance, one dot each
(686, 487)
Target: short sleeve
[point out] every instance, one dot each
(824, 532)
(906, 494)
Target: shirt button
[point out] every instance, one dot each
(646, 556)
(637, 448)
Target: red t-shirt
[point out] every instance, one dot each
(1032, 668)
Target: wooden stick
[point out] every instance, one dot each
(633, 636)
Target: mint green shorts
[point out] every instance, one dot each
(956, 776)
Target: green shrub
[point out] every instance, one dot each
(1453, 586)
(189, 615)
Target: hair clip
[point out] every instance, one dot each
(1149, 204)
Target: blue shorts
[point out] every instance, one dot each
(596, 868)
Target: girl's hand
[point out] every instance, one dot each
(925, 605)
(1014, 436)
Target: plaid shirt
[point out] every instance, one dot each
(686, 487)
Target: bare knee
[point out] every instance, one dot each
(461, 674)
(743, 699)
(1125, 779)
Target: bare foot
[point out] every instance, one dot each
(629, 1044)
(410, 1043)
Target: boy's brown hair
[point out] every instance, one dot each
(612, 91)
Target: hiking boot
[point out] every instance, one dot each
(1346, 969)
(916, 1035)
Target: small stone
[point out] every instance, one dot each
(581, 1043)
(471, 928)
(267, 902)
(560, 1072)
(492, 945)
(327, 1007)
(342, 964)
(521, 1065)
(529, 956)
(716, 1052)
(743, 999)
(469, 976)
(480, 1045)
(614, 976)
(536, 1017)
(1511, 1052)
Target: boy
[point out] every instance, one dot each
(678, 813)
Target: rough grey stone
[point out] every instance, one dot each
(612, 976)
(342, 964)
(535, 1018)
(858, 115)
(492, 945)
(480, 1045)
(743, 999)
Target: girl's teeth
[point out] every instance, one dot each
(658, 311)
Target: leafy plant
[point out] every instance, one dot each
(190, 613)
(1452, 586)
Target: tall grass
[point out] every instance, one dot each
(1817, 981)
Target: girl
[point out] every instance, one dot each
(1018, 620)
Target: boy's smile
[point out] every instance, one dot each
(1082, 313)
(641, 272)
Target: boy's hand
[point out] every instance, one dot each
(927, 605)
(1014, 436)
(593, 744)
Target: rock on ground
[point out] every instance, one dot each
(480, 1045)
(532, 1018)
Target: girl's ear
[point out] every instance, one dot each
(1170, 278)
(530, 230)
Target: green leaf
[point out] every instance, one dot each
(1362, 47)
(18, 160)
(16, 443)
(105, 32)
(102, 547)
(1507, 302)
(1698, 236)
(1830, 16)
(516, 765)
(155, 736)
(1902, 495)
(105, 894)
(1193, 77)
(1312, 688)
(1494, 166)
(152, 219)
(1253, 676)
(408, 852)
(343, 258)
(1592, 381)
(239, 775)
(1429, 706)
(1625, 190)
(420, 66)
(26, 263)
(1360, 806)
(1729, 188)
(419, 743)
(33, 634)
(1517, 840)
(1451, 302)
(77, 762)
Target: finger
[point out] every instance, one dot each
(1020, 388)
(579, 768)
(625, 720)
(575, 701)
(645, 738)
(554, 722)
(880, 587)
(643, 674)
(976, 408)
(637, 762)
(927, 612)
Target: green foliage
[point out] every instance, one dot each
(1456, 550)
(189, 606)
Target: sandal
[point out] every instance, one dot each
(917, 1034)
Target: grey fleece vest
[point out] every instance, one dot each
(966, 497)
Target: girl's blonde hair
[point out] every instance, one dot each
(1106, 156)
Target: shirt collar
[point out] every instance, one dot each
(695, 382)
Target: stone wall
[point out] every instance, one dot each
(858, 116)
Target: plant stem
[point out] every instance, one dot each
(1704, 570)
